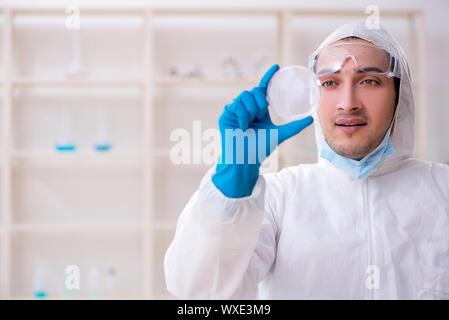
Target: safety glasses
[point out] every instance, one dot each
(366, 57)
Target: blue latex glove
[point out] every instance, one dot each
(249, 111)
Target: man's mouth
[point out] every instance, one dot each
(350, 125)
(350, 122)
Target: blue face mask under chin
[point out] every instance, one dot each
(360, 169)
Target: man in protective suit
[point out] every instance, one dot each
(367, 221)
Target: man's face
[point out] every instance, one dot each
(348, 98)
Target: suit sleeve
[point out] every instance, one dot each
(222, 247)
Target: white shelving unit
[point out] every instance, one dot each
(135, 235)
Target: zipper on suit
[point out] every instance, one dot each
(369, 224)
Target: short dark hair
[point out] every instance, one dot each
(352, 37)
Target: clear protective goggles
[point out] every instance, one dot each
(366, 57)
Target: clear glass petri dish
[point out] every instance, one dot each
(294, 92)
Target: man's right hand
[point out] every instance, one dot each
(238, 167)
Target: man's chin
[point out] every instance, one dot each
(353, 152)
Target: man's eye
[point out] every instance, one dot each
(370, 82)
(328, 83)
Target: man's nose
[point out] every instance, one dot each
(348, 99)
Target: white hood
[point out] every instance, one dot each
(403, 132)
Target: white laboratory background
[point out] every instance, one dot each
(98, 100)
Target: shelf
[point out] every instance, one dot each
(88, 10)
(79, 158)
(267, 11)
(74, 228)
(140, 10)
(27, 227)
(206, 82)
(79, 82)
(81, 154)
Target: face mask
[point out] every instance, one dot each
(360, 169)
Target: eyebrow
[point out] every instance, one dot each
(368, 69)
(364, 70)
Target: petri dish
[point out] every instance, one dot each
(294, 92)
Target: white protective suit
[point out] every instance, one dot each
(312, 232)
